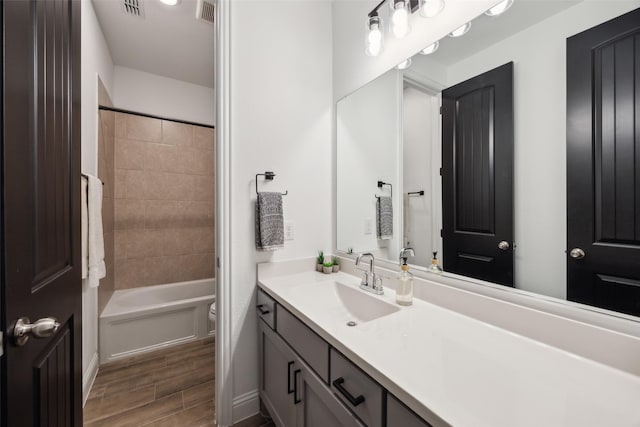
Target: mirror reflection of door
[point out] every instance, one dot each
(477, 176)
(603, 165)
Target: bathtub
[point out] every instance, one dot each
(143, 319)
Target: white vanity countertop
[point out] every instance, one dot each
(466, 372)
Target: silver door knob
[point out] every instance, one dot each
(42, 328)
(577, 253)
(504, 245)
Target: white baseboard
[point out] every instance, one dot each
(245, 406)
(88, 377)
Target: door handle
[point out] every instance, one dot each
(42, 328)
(577, 253)
(296, 399)
(262, 310)
(504, 245)
(355, 401)
(289, 388)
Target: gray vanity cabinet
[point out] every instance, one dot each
(277, 376)
(399, 415)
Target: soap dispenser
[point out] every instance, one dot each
(404, 286)
(434, 267)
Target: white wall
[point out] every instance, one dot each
(281, 120)
(419, 170)
(369, 131)
(160, 96)
(96, 61)
(539, 54)
(353, 68)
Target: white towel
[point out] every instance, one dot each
(84, 221)
(93, 245)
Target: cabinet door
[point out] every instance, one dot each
(399, 415)
(316, 405)
(277, 363)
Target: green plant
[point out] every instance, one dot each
(336, 261)
(320, 257)
(328, 264)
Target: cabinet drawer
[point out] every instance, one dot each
(357, 390)
(313, 349)
(266, 308)
(399, 415)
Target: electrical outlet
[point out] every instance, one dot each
(288, 230)
(368, 226)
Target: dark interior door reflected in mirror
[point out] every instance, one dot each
(477, 177)
(603, 165)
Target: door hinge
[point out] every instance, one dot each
(441, 109)
(218, 262)
(441, 234)
(1, 343)
(440, 171)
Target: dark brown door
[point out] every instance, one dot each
(41, 380)
(477, 177)
(603, 165)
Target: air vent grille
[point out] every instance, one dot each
(133, 8)
(206, 11)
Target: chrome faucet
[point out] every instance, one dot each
(370, 282)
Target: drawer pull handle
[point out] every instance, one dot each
(289, 388)
(262, 310)
(296, 400)
(355, 401)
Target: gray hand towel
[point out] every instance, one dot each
(269, 222)
(384, 218)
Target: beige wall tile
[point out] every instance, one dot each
(120, 244)
(166, 214)
(196, 162)
(120, 189)
(129, 154)
(203, 239)
(165, 269)
(203, 138)
(121, 125)
(203, 188)
(144, 128)
(130, 273)
(108, 215)
(163, 158)
(134, 184)
(178, 134)
(200, 214)
(129, 214)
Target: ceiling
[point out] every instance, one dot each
(168, 41)
(486, 31)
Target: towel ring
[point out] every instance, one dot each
(268, 176)
(381, 183)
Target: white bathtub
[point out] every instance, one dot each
(143, 319)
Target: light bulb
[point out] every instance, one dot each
(500, 8)
(404, 64)
(374, 36)
(461, 31)
(170, 2)
(400, 20)
(431, 8)
(430, 49)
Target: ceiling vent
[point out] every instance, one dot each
(206, 11)
(133, 8)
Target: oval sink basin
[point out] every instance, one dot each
(347, 302)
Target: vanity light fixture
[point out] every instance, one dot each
(430, 49)
(170, 2)
(404, 64)
(461, 31)
(374, 35)
(431, 8)
(500, 8)
(400, 18)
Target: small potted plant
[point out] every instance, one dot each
(327, 267)
(319, 261)
(336, 264)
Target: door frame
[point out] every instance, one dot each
(224, 367)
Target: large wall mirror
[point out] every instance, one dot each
(512, 151)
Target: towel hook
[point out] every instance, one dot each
(268, 176)
(381, 183)
(416, 193)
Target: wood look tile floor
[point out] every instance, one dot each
(169, 387)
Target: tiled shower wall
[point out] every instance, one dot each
(106, 172)
(164, 201)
